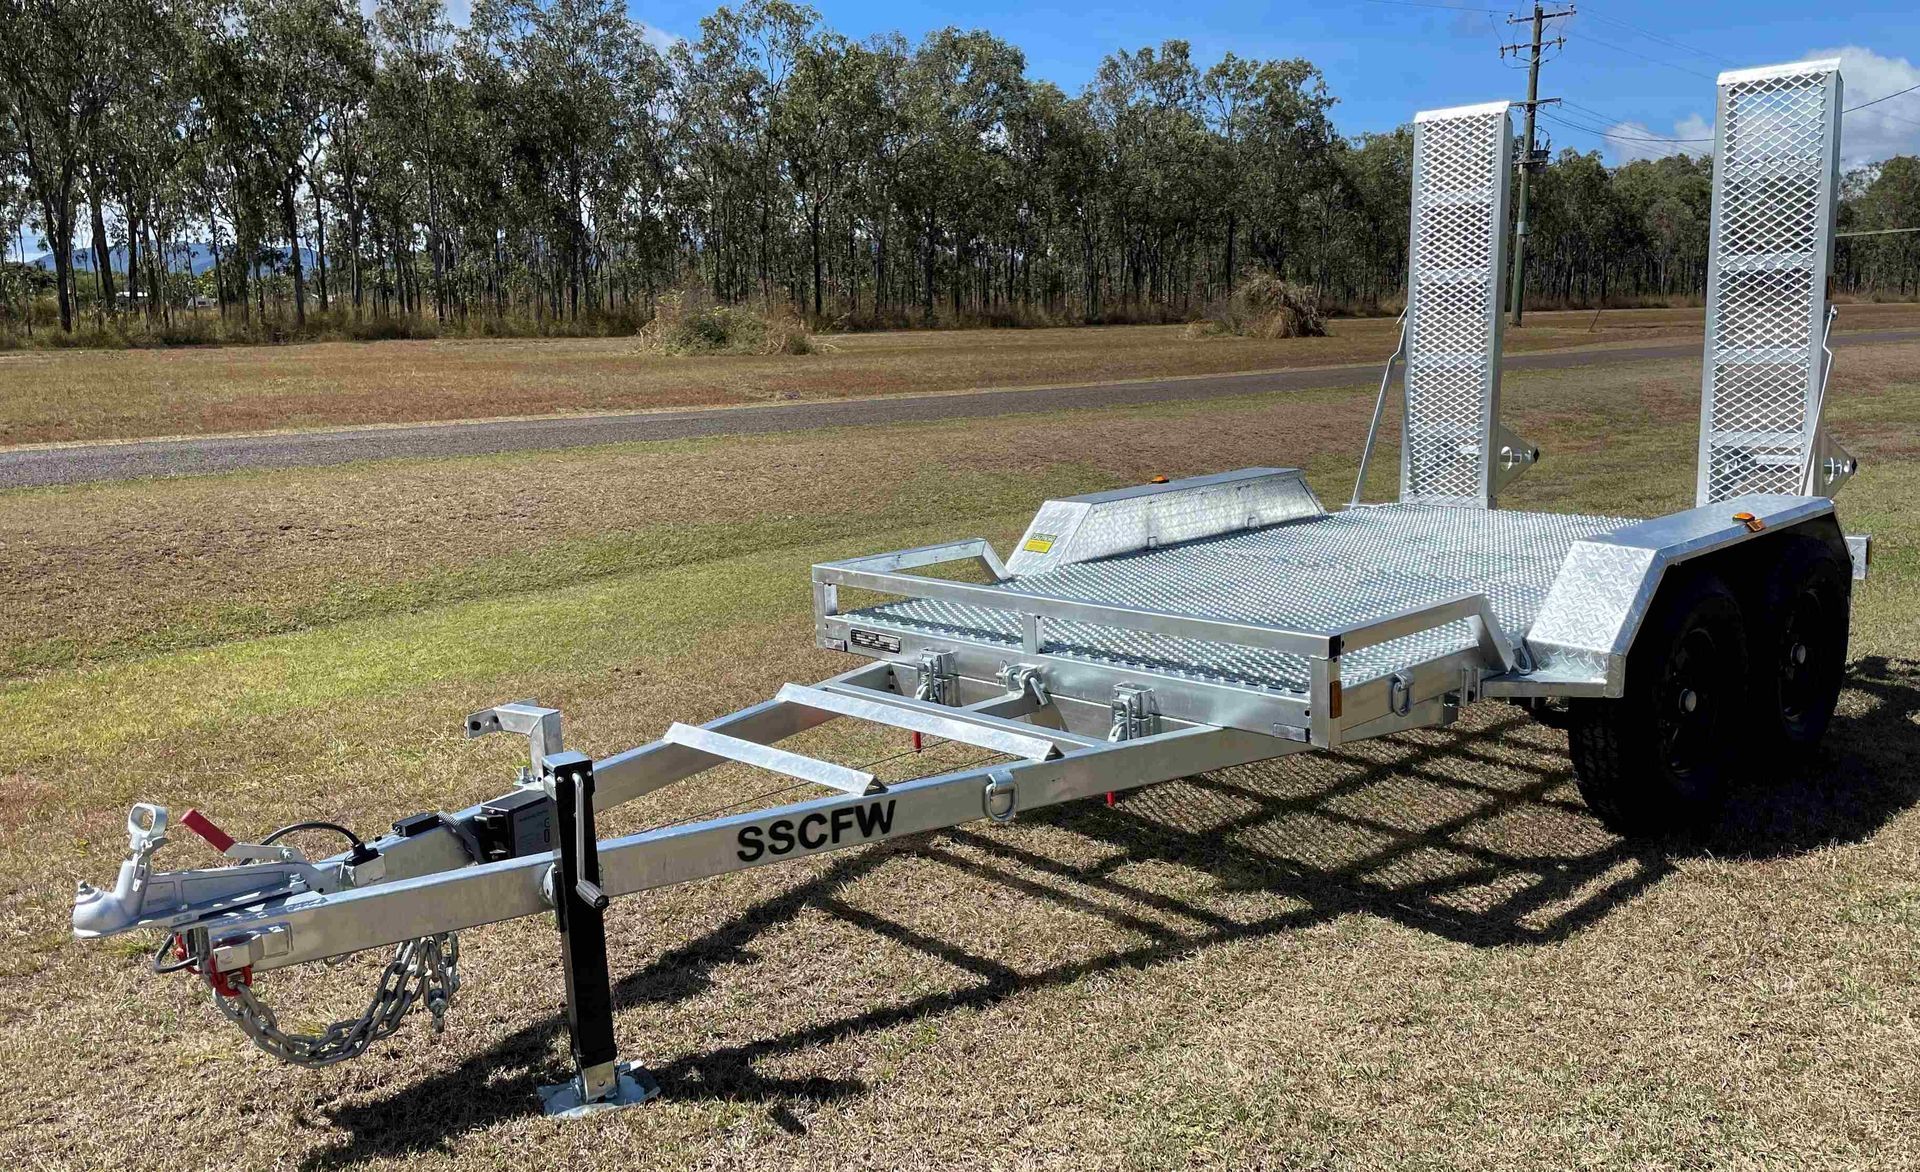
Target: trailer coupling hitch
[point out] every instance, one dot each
(423, 971)
(142, 897)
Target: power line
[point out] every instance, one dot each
(1883, 113)
(1653, 36)
(1874, 232)
(1645, 57)
(1610, 132)
(1617, 136)
(1877, 101)
(1616, 120)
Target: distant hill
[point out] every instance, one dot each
(196, 257)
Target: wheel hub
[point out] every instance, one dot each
(1687, 711)
(1798, 672)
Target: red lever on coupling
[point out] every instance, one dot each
(203, 826)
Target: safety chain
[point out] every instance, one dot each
(424, 970)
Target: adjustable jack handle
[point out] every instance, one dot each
(586, 846)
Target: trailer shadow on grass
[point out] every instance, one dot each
(1475, 833)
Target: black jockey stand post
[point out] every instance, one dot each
(601, 1080)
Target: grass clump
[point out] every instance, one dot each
(684, 324)
(1265, 306)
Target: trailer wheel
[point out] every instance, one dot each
(1798, 639)
(1659, 758)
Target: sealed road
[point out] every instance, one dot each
(200, 455)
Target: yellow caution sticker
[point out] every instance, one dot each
(1040, 543)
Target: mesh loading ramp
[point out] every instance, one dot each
(1314, 573)
(1462, 170)
(1775, 188)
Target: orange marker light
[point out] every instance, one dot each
(1753, 523)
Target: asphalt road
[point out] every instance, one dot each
(200, 455)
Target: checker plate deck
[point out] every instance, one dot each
(1317, 573)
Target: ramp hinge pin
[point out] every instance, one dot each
(1025, 679)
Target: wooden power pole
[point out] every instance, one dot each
(1527, 163)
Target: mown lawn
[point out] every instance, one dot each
(1416, 952)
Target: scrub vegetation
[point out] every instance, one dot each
(1266, 306)
(683, 325)
(1415, 952)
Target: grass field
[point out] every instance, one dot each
(55, 396)
(1416, 952)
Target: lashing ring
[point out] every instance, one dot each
(999, 785)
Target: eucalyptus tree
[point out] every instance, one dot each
(1059, 150)
(1377, 173)
(568, 71)
(820, 122)
(414, 104)
(56, 81)
(287, 64)
(149, 153)
(955, 95)
(13, 218)
(1890, 200)
(728, 83)
(1667, 201)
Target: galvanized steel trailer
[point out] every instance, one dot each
(1160, 631)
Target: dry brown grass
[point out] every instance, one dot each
(91, 395)
(199, 561)
(1418, 952)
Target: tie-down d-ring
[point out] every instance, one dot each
(999, 785)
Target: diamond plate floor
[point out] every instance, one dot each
(1314, 574)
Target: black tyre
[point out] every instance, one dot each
(1660, 758)
(1797, 637)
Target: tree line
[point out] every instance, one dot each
(554, 165)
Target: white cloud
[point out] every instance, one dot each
(1627, 141)
(1881, 131)
(659, 38)
(1695, 127)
